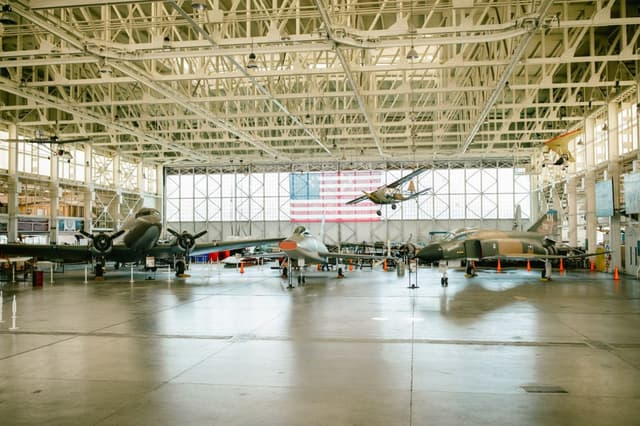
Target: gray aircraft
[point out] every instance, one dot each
(140, 237)
(480, 244)
(303, 248)
(392, 193)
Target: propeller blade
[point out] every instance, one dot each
(199, 234)
(117, 234)
(86, 234)
(172, 232)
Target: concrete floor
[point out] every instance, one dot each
(221, 348)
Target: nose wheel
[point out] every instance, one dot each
(444, 281)
(379, 212)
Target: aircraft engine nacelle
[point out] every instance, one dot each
(186, 241)
(102, 244)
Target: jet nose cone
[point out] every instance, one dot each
(430, 253)
(288, 245)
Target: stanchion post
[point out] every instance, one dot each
(1, 300)
(14, 314)
(131, 280)
(51, 270)
(85, 274)
(169, 273)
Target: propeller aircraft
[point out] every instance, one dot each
(392, 193)
(140, 236)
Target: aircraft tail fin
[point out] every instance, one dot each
(546, 224)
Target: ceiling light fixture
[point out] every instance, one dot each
(199, 5)
(412, 54)
(251, 63)
(8, 17)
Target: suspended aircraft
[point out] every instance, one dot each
(392, 193)
(140, 236)
(560, 145)
(479, 244)
(303, 248)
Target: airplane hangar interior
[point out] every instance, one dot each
(319, 212)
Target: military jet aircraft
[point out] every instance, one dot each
(303, 248)
(480, 244)
(140, 239)
(392, 193)
(560, 145)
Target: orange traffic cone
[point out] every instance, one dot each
(616, 276)
(319, 267)
(350, 265)
(499, 269)
(561, 266)
(528, 265)
(384, 265)
(592, 268)
(242, 267)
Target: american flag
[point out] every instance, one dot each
(324, 194)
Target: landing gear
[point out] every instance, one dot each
(546, 271)
(471, 270)
(301, 280)
(180, 268)
(444, 278)
(394, 206)
(444, 281)
(379, 212)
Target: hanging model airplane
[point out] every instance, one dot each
(303, 248)
(560, 145)
(480, 244)
(140, 239)
(392, 193)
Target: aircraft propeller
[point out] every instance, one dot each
(102, 242)
(185, 240)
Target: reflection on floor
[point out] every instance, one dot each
(222, 347)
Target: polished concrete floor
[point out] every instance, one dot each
(223, 348)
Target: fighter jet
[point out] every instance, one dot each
(140, 239)
(479, 244)
(303, 248)
(560, 145)
(392, 193)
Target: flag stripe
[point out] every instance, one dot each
(323, 195)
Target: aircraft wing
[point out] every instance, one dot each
(415, 194)
(560, 144)
(52, 252)
(359, 199)
(533, 256)
(215, 246)
(354, 256)
(406, 178)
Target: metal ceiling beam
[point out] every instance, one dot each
(349, 75)
(515, 59)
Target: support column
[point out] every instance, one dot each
(613, 171)
(89, 191)
(572, 216)
(54, 200)
(14, 188)
(117, 207)
(590, 213)
(590, 186)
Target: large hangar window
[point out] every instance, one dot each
(456, 194)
